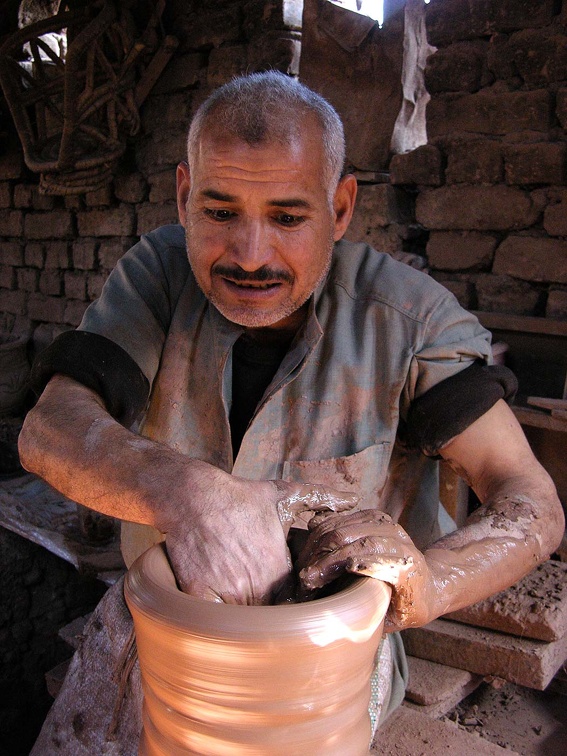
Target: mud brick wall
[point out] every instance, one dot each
(56, 252)
(490, 185)
(483, 203)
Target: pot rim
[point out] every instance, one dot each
(150, 576)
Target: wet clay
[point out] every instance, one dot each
(223, 679)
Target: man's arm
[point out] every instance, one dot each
(519, 524)
(226, 536)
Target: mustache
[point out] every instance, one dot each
(265, 273)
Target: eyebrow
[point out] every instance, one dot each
(285, 202)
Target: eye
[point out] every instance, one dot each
(219, 214)
(285, 219)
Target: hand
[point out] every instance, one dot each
(369, 543)
(231, 547)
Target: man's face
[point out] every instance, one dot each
(259, 226)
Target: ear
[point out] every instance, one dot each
(183, 186)
(343, 204)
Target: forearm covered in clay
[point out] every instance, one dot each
(71, 441)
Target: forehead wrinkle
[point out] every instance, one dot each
(286, 202)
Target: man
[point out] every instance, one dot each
(287, 372)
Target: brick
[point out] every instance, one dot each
(23, 195)
(476, 208)
(506, 294)
(163, 186)
(561, 106)
(57, 224)
(464, 291)
(499, 58)
(12, 164)
(75, 285)
(130, 187)
(7, 277)
(13, 301)
(535, 607)
(555, 218)
(11, 223)
(430, 683)
(101, 197)
(467, 250)
(27, 279)
(461, 67)
(182, 72)
(74, 311)
(11, 253)
(489, 113)
(377, 206)
(422, 166)
(74, 201)
(164, 149)
(171, 109)
(451, 20)
(408, 732)
(523, 661)
(57, 255)
(225, 63)
(84, 254)
(532, 258)
(118, 221)
(153, 216)
(48, 309)
(539, 163)
(556, 304)
(538, 55)
(386, 239)
(476, 161)
(34, 254)
(51, 283)
(5, 194)
(41, 201)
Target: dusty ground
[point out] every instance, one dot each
(530, 722)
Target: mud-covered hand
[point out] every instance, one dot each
(368, 542)
(232, 548)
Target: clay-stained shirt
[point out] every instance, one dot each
(378, 334)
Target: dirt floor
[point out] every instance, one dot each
(529, 722)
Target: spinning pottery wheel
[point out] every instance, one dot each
(222, 679)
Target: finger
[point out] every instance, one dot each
(340, 530)
(200, 590)
(388, 569)
(326, 565)
(326, 521)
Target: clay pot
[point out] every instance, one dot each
(14, 373)
(222, 679)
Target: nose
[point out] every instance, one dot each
(252, 247)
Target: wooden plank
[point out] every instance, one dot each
(527, 324)
(539, 419)
(526, 662)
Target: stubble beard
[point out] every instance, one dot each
(253, 318)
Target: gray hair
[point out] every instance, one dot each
(262, 107)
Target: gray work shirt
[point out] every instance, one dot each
(378, 334)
